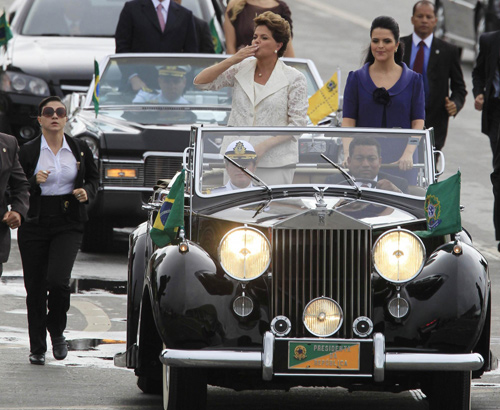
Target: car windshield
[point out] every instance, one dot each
(168, 95)
(284, 157)
(80, 18)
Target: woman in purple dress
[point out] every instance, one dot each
(385, 93)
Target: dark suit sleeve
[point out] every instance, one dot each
(479, 71)
(124, 31)
(91, 177)
(18, 187)
(204, 36)
(457, 83)
(191, 41)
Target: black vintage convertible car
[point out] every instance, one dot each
(322, 279)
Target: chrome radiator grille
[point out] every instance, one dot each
(311, 263)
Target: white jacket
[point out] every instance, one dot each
(284, 100)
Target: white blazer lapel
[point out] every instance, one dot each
(275, 83)
(245, 78)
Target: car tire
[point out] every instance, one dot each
(184, 389)
(97, 235)
(149, 385)
(449, 390)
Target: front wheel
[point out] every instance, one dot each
(449, 390)
(184, 389)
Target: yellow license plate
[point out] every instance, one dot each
(323, 355)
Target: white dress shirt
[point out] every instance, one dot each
(62, 166)
(165, 4)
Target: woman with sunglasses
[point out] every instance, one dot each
(63, 178)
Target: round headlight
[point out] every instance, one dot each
(244, 253)
(398, 255)
(322, 317)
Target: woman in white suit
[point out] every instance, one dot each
(266, 92)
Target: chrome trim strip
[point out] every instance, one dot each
(378, 357)
(120, 359)
(120, 188)
(211, 358)
(322, 375)
(268, 356)
(431, 361)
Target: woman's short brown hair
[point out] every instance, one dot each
(278, 26)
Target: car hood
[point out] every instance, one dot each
(302, 213)
(59, 57)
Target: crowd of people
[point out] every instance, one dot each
(406, 82)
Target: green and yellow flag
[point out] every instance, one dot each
(95, 95)
(171, 215)
(215, 37)
(442, 207)
(5, 33)
(325, 100)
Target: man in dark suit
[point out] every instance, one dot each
(14, 191)
(364, 164)
(439, 64)
(139, 28)
(154, 26)
(486, 89)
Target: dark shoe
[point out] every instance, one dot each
(37, 359)
(59, 348)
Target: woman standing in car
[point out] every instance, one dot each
(266, 92)
(63, 178)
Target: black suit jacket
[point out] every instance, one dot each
(444, 73)
(87, 177)
(483, 73)
(14, 189)
(401, 183)
(205, 40)
(138, 29)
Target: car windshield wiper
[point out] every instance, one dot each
(346, 175)
(249, 173)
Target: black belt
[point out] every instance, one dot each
(55, 205)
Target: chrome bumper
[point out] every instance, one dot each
(383, 361)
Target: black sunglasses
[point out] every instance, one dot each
(49, 112)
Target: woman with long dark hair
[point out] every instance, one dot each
(385, 92)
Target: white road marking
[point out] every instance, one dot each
(334, 11)
(97, 319)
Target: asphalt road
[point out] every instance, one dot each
(333, 33)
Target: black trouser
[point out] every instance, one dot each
(48, 252)
(494, 122)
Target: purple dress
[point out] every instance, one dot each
(406, 103)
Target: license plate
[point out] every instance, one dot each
(323, 356)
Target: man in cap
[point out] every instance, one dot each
(172, 82)
(243, 153)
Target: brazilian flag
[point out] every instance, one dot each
(442, 207)
(215, 37)
(171, 215)
(5, 33)
(95, 95)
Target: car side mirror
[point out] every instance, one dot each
(439, 159)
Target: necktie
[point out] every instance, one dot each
(418, 65)
(161, 19)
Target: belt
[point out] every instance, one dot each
(55, 205)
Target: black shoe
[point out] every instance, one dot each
(59, 348)
(37, 359)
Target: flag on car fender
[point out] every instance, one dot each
(95, 95)
(442, 207)
(5, 33)
(171, 215)
(325, 100)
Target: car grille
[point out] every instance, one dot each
(148, 173)
(311, 263)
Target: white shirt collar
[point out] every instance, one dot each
(428, 41)
(45, 145)
(164, 3)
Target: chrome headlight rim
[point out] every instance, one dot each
(341, 321)
(219, 249)
(422, 264)
(25, 84)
